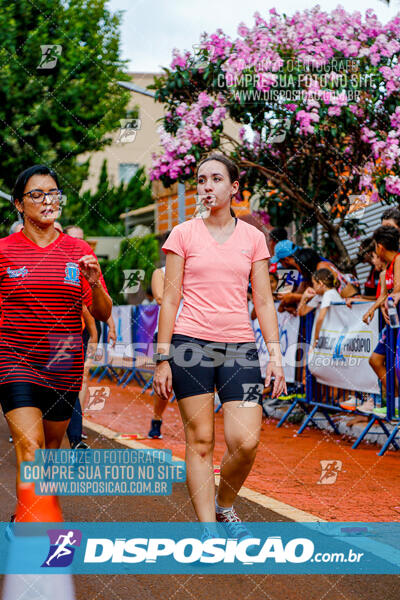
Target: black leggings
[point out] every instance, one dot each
(198, 366)
(56, 405)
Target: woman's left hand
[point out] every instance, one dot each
(279, 384)
(90, 269)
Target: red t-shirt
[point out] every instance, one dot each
(389, 275)
(42, 292)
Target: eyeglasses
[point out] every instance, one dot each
(38, 196)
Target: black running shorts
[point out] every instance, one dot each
(56, 405)
(200, 366)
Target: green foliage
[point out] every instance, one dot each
(135, 253)
(51, 116)
(99, 213)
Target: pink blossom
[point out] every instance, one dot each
(395, 119)
(365, 181)
(204, 100)
(392, 184)
(315, 38)
(182, 109)
(243, 30)
(334, 110)
(374, 196)
(179, 60)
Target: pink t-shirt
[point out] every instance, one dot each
(215, 280)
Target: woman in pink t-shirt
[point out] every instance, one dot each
(212, 343)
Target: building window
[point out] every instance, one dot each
(127, 171)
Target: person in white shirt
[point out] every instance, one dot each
(321, 295)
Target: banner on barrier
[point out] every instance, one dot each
(288, 336)
(145, 325)
(345, 345)
(123, 326)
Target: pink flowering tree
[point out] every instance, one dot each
(316, 100)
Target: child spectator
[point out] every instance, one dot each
(276, 235)
(273, 280)
(391, 217)
(386, 240)
(149, 297)
(321, 295)
(368, 255)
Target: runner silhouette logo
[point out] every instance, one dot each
(62, 547)
(251, 394)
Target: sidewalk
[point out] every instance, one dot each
(287, 468)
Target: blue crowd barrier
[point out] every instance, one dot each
(136, 370)
(321, 398)
(315, 398)
(140, 362)
(106, 369)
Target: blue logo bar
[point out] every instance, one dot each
(212, 548)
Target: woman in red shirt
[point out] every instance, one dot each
(45, 277)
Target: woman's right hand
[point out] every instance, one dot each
(162, 380)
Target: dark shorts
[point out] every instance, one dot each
(56, 405)
(381, 345)
(200, 366)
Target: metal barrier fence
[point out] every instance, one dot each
(321, 398)
(315, 398)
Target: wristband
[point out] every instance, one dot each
(157, 357)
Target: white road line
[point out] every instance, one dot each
(280, 508)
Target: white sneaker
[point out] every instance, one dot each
(350, 403)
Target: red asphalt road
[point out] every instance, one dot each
(287, 467)
(131, 418)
